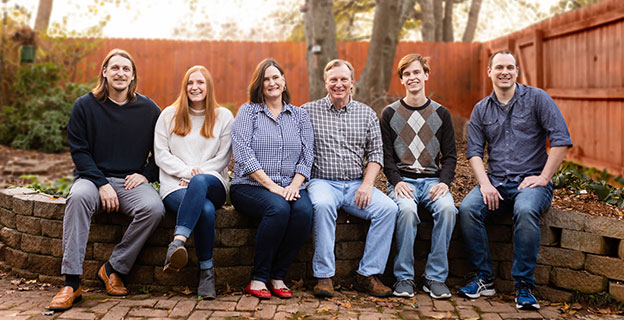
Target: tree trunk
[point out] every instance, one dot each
(321, 47)
(43, 15)
(437, 18)
(473, 19)
(447, 33)
(428, 20)
(390, 15)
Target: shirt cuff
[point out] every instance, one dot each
(303, 170)
(251, 166)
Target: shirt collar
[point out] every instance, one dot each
(520, 91)
(286, 107)
(329, 104)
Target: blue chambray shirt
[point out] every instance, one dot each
(516, 139)
(281, 147)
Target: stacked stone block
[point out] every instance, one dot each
(578, 252)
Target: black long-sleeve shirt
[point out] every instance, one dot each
(109, 140)
(418, 142)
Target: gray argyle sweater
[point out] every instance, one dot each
(418, 142)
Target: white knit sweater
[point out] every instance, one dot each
(176, 156)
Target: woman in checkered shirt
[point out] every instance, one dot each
(272, 142)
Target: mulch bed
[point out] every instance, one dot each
(15, 162)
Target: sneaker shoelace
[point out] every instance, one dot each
(524, 292)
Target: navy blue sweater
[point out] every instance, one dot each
(108, 140)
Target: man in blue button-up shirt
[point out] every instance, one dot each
(515, 121)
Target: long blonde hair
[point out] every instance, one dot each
(182, 122)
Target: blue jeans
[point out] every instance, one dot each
(527, 206)
(327, 197)
(443, 212)
(195, 207)
(284, 227)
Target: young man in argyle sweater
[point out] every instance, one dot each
(420, 158)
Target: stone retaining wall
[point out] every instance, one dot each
(578, 252)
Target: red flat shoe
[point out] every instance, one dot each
(284, 293)
(261, 294)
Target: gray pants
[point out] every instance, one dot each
(142, 203)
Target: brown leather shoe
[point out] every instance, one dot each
(114, 285)
(65, 298)
(372, 285)
(324, 288)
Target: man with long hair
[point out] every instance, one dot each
(111, 136)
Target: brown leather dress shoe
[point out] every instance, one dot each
(114, 285)
(65, 298)
(324, 288)
(372, 285)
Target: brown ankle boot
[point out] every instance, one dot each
(372, 285)
(324, 288)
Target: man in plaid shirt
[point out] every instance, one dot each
(348, 155)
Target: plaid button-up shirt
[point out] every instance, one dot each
(281, 147)
(344, 139)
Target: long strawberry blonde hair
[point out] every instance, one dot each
(182, 121)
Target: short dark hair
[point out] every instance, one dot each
(504, 51)
(408, 59)
(256, 94)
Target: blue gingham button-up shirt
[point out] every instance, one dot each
(281, 147)
(516, 139)
(346, 139)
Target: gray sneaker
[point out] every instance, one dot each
(404, 288)
(436, 289)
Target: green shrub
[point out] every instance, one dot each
(579, 180)
(38, 118)
(58, 188)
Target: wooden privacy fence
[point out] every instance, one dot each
(161, 64)
(576, 57)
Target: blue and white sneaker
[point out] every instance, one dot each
(524, 297)
(478, 286)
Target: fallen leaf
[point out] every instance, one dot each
(186, 291)
(604, 310)
(296, 284)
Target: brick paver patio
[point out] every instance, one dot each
(30, 302)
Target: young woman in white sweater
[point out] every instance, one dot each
(192, 147)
